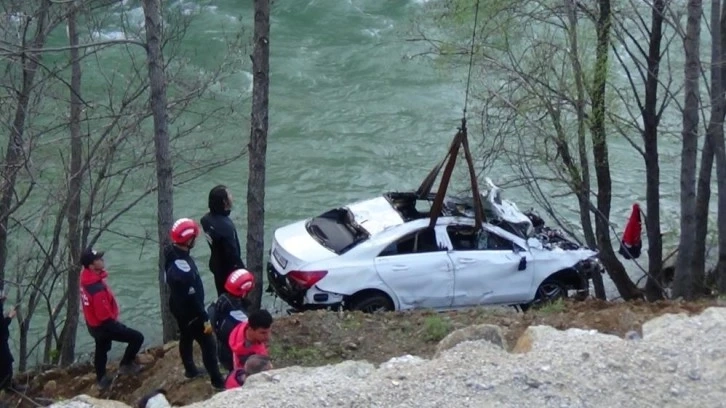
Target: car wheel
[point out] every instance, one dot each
(548, 292)
(371, 303)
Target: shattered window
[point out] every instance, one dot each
(463, 238)
(466, 238)
(417, 242)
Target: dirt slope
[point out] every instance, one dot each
(318, 338)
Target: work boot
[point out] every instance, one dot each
(104, 383)
(195, 373)
(218, 386)
(131, 368)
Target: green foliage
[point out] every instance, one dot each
(306, 356)
(557, 306)
(436, 328)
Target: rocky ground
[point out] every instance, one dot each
(320, 338)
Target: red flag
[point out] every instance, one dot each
(631, 244)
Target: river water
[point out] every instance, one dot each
(351, 115)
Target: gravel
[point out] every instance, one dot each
(678, 362)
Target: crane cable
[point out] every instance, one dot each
(471, 63)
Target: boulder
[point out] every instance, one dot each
(85, 401)
(544, 337)
(487, 332)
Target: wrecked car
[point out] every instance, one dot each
(382, 254)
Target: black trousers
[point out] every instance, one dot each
(6, 372)
(220, 278)
(225, 354)
(188, 334)
(105, 335)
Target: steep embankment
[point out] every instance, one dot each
(560, 368)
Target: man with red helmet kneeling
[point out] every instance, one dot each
(186, 301)
(230, 309)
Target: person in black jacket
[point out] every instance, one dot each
(186, 301)
(6, 357)
(222, 237)
(229, 310)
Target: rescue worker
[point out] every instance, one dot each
(6, 357)
(229, 310)
(250, 337)
(101, 313)
(186, 301)
(255, 364)
(222, 237)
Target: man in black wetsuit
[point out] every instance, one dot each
(6, 357)
(222, 237)
(186, 302)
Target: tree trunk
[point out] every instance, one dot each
(714, 131)
(68, 340)
(164, 171)
(619, 276)
(258, 147)
(720, 151)
(687, 281)
(651, 121)
(583, 193)
(14, 155)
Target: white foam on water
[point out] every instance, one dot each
(108, 35)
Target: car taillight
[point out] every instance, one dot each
(306, 279)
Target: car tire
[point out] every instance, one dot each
(371, 303)
(548, 291)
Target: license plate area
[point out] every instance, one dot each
(279, 258)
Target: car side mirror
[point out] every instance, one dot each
(522, 264)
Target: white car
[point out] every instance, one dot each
(380, 254)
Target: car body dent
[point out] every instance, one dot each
(351, 279)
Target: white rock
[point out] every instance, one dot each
(85, 401)
(679, 361)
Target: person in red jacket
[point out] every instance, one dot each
(255, 364)
(101, 313)
(250, 338)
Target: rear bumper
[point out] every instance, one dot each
(299, 298)
(282, 287)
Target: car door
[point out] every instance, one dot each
(418, 270)
(487, 267)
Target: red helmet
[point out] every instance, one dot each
(183, 230)
(239, 283)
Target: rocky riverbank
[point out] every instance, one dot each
(675, 364)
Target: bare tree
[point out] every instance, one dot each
(688, 281)
(258, 147)
(68, 342)
(164, 170)
(643, 63)
(15, 154)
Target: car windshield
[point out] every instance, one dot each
(336, 230)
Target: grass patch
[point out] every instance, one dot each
(436, 328)
(305, 356)
(558, 306)
(351, 323)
